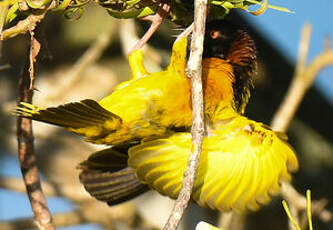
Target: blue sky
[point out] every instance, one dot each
(282, 28)
(16, 205)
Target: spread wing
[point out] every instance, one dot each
(239, 167)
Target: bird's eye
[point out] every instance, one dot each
(214, 34)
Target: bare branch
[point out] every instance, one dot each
(27, 158)
(303, 79)
(303, 48)
(91, 55)
(128, 37)
(22, 26)
(301, 82)
(185, 32)
(25, 25)
(194, 72)
(156, 21)
(298, 202)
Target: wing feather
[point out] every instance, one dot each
(106, 177)
(241, 165)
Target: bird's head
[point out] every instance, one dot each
(218, 39)
(233, 44)
(230, 42)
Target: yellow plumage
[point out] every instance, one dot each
(148, 105)
(242, 161)
(241, 164)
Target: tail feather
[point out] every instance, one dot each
(106, 177)
(110, 159)
(86, 117)
(112, 187)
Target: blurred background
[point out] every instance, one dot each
(86, 59)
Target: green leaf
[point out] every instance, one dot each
(133, 13)
(12, 13)
(271, 6)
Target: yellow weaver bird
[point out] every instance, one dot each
(241, 165)
(153, 105)
(242, 161)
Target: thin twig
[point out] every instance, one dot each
(27, 158)
(303, 48)
(156, 21)
(298, 88)
(91, 55)
(301, 82)
(298, 201)
(25, 25)
(303, 79)
(128, 37)
(194, 72)
(186, 32)
(22, 27)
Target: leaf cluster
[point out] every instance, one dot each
(181, 10)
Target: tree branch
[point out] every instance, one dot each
(298, 202)
(25, 25)
(156, 21)
(27, 158)
(90, 56)
(303, 48)
(194, 72)
(303, 79)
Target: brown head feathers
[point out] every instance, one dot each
(232, 43)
